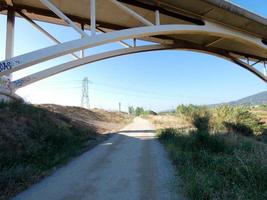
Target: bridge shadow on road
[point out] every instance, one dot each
(137, 131)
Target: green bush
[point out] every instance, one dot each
(220, 116)
(187, 111)
(236, 119)
(220, 166)
(197, 115)
(138, 111)
(201, 120)
(131, 110)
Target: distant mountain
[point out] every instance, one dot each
(256, 99)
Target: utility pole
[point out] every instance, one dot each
(119, 106)
(85, 93)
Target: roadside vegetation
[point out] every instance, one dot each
(34, 140)
(223, 157)
(169, 120)
(140, 111)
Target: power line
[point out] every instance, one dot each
(152, 93)
(128, 93)
(124, 90)
(136, 90)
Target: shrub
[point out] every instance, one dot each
(236, 119)
(139, 111)
(200, 120)
(220, 116)
(187, 111)
(196, 115)
(167, 134)
(131, 110)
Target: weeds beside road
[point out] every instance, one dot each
(218, 166)
(224, 157)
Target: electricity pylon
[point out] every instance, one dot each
(85, 93)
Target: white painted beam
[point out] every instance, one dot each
(89, 59)
(41, 55)
(248, 67)
(215, 42)
(39, 28)
(76, 63)
(63, 17)
(125, 44)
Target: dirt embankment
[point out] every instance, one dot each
(104, 121)
(36, 139)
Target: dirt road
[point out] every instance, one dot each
(131, 165)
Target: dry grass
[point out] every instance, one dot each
(113, 116)
(261, 113)
(104, 121)
(169, 121)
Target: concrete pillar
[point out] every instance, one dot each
(5, 92)
(10, 35)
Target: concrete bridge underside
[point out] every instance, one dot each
(214, 27)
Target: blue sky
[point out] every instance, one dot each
(155, 80)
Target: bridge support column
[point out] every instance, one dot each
(6, 92)
(10, 33)
(157, 18)
(264, 69)
(93, 18)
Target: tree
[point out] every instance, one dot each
(139, 111)
(131, 110)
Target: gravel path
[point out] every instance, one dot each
(131, 165)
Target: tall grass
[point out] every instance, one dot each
(218, 166)
(218, 160)
(223, 119)
(238, 119)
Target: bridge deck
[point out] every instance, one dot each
(110, 17)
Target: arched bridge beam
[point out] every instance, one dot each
(181, 45)
(29, 59)
(77, 63)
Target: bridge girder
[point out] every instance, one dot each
(150, 31)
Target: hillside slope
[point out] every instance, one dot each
(256, 99)
(102, 120)
(36, 139)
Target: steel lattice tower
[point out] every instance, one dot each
(85, 93)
